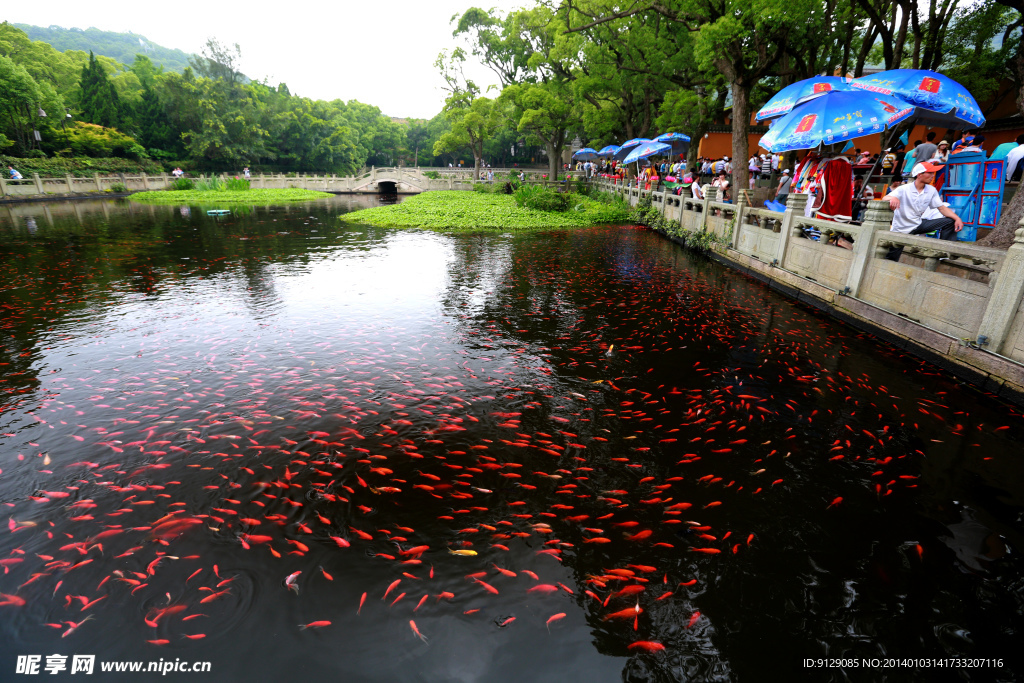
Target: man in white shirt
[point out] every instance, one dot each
(909, 203)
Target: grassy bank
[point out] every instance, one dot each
(227, 196)
(477, 210)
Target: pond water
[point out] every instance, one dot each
(534, 450)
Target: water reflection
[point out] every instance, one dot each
(203, 406)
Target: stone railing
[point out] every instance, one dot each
(407, 179)
(73, 185)
(974, 295)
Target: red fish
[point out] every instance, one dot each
(412, 625)
(314, 624)
(554, 617)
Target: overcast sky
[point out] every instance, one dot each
(378, 52)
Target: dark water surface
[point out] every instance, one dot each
(192, 409)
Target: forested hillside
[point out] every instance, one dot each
(208, 117)
(118, 46)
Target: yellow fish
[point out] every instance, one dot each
(464, 553)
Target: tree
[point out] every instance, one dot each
(546, 111)
(417, 136)
(98, 100)
(741, 39)
(218, 62)
(472, 118)
(156, 133)
(20, 101)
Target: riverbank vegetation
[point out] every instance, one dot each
(701, 241)
(205, 194)
(482, 210)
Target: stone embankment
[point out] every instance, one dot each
(955, 304)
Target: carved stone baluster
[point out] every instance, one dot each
(1006, 296)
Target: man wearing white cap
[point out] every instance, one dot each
(909, 203)
(782, 191)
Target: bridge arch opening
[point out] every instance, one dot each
(387, 187)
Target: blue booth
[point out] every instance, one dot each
(973, 187)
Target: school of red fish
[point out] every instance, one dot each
(586, 438)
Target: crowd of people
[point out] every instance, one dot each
(839, 193)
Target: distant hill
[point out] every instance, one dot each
(120, 46)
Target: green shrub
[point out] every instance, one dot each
(90, 139)
(118, 187)
(524, 192)
(541, 199)
(237, 185)
(212, 184)
(433, 175)
(183, 184)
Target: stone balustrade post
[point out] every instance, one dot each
(877, 218)
(795, 205)
(96, 179)
(145, 182)
(737, 219)
(710, 195)
(38, 182)
(70, 183)
(3, 186)
(1006, 297)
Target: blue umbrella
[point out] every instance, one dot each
(626, 147)
(648, 149)
(938, 100)
(608, 151)
(799, 92)
(585, 154)
(680, 143)
(836, 116)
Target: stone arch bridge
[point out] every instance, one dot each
(384, 180)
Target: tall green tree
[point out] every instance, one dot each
(473, 119)
(19, 104)
(546, 111)
(98, 100)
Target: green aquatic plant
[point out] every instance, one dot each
(260, 196)
(212, 184)
(454, 210)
